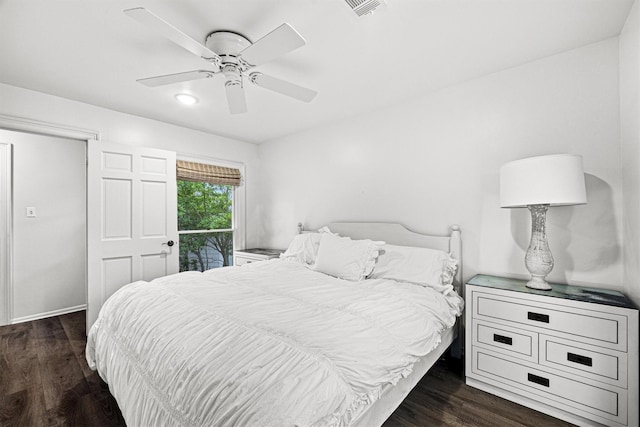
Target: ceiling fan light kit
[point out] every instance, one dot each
(232, 55)
(186, 98)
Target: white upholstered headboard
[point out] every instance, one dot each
(397, 234)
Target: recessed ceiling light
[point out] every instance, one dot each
(185, 98)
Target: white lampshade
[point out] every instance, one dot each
(556, 180)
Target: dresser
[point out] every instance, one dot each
(571, 352)
(245, 256)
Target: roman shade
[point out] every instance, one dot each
(201, 172)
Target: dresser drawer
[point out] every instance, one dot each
(504, 339)
(242, 261)
(555, 389)
(594, 327)
(593, 362)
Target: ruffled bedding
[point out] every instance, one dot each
(266, 344)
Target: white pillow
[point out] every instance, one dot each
(422, 266)
(303, 248)
(345, 258)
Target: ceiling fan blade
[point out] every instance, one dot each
(235, 97)
(162, 27)
(278, 42)
(281, 86)
(176, 78)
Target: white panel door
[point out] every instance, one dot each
(132, 226)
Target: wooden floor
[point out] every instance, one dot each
(45, 381)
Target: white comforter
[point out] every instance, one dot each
(294, 348)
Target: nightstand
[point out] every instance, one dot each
(245, 256)
(571, 352)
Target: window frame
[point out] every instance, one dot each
(238, 203)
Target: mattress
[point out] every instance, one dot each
(266, 344)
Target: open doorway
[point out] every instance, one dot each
(48, 233)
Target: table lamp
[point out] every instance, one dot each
(537, 183)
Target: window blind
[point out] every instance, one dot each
(201, 172)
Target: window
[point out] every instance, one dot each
(205, 215)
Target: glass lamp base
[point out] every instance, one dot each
(538, 258)
(538, 282)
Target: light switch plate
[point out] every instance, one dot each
(31, 212)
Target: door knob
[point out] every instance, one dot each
(169, 243)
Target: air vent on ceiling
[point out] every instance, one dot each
(364, 7)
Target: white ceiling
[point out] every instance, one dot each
(89, 51)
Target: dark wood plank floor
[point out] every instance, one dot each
(45, 381)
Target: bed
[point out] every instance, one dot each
(334, 333)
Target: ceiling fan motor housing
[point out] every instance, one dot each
(227, 45)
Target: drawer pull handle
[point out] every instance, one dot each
(502, 339)
(576, 358)
(538, 380)
(544, 318)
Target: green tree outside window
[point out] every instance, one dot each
(205, 207)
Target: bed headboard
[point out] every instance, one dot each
(397, 234)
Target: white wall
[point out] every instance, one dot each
(126, 129)
(434, 161)
(48, 249)
(630, 147)
(119, 127)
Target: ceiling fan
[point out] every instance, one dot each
(231, 55)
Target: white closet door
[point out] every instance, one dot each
(132, 227)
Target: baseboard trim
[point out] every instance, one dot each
(49, 314)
